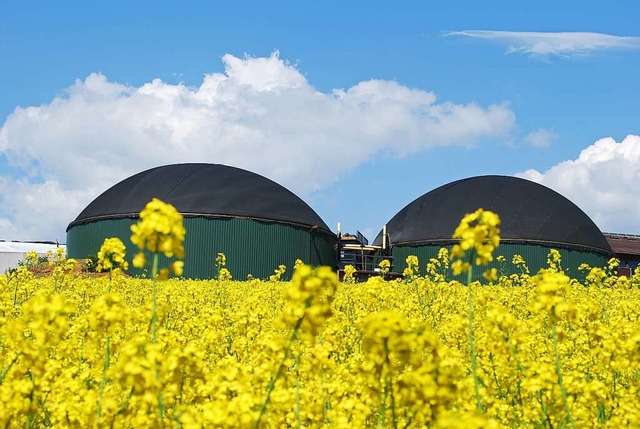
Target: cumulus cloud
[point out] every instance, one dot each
(602, 181)
(261, 114)
(547, 44)
(540, 138)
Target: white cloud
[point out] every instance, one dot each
(540, 138)
(548, 43)
(602, 181)
(261, 114)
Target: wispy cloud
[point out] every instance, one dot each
(547, 44)
(540, 138)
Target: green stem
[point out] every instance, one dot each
(512, 352)
(154, 295)
(276, 375)
(472, 340)
(382, 400)
(495, 376)
(563, 391)
(297, 362)
(15, 294)
(154, 328)
(105, 367)
(543, 408)
(4, 372)
(30, 416)
(123, 407)
(389, 386)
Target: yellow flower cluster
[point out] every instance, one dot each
(437, 267)
(409, 367)
(223, 273)
(111, 255)
(479, 234)
(278, 273)
(554, 260)
(552, 289)
(385, 266)
(349, 273)
(520, 263)
(309, 298)
(413, 266)
(160, 231)
(221, 259)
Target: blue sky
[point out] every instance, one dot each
(359, 108)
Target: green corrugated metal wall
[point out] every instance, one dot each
(534, 255)
(252, 247)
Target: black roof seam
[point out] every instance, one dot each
(84, 221)
(507, 241)
(184, 179)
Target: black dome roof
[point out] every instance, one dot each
(529, 212)
(198, 189)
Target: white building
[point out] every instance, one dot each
(12, 252)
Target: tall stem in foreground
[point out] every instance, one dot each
(105, 368)
(154, 298)
(472, 340)
(276, 375)
(154, 328)
(563, 391)
(297, 366)
(389, 386)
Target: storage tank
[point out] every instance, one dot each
(257, 223)
(534, 219)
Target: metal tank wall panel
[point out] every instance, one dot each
(251, 247)
(534, 255)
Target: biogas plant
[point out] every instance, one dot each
(259, 224)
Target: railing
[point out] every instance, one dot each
(363, 262)
(617, 235)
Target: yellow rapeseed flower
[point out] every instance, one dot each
(160, 231)
(309, 297)
(111, 255)
(349, 272)
(479, 233)
(278, 273)
(384, 266)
